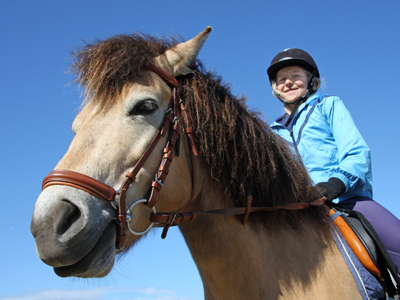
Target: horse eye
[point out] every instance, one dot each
(145, 107)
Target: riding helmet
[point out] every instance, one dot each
(292, 57)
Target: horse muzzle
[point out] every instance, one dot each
(73, 232)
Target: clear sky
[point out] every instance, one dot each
(356, 45)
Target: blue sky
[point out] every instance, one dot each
(355, 44)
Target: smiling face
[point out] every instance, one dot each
(291, 83)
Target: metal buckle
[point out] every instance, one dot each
(115, 203)
(173, 219)
(158, 180)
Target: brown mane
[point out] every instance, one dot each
(242, 152)
(104, 67)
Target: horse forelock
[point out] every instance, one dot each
(104, 67)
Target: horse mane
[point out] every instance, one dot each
(242, 152)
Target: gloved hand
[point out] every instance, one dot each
(331, 189)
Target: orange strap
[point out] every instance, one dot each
(355, 244)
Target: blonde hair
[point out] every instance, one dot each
(317, 84)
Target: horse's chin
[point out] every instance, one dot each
(98, 262)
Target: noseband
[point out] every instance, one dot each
(118, 197)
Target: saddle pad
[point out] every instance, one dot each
(368, 286)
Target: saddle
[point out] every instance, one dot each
(368, 247)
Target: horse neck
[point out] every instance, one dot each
(238, 261)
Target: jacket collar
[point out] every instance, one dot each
(283, 118)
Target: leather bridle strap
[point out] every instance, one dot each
(80, 181)
(171, 81)
(130, 177)
(188, 130)
(170, 219)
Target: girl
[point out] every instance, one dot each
(323, 134)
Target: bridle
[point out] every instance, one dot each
(117, 198)
(101, 190)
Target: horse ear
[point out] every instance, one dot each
(176, 60)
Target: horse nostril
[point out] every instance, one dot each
(66, 215)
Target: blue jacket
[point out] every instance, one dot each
(324, 135)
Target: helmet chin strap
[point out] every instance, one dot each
(295, 107)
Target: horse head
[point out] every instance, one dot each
(75, 230)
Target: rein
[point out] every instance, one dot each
(169, 219)
(118, 197)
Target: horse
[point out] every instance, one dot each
(240, 197)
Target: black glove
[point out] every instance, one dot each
(331, 189)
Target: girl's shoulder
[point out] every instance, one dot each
(324, 98)
(325, 101)
(329, 98)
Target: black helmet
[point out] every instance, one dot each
(292, 57)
